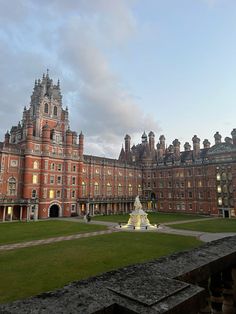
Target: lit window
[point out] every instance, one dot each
(35, 164)
(220, 201)
(218, 177)
(219, 189)
(189, 184)
(130, 189)
(51, 194)
(83, 189)
(35, 178)
(199, 183)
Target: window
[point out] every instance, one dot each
(223, 177)
(35, 178)
(219, 189)
(130, 189)
(83, 189)
(33, 194)
(199, 183)
(73, 194)
(12, 186)
(35, 164)
(119, 189)
(96, 188)
(59, 167)
(220, 201)
(58, 194)
(55, 110)
(73, 180)
(190, 206)
(46, 108)
(170, 206)
(73, 208)
(74, 168)
(190, 194)
(51, 194)
(218, 177)
(182, 184)
(139, 189)
(52, 166)
(225, 189)
(108, 189)
(51, 179)
(169, 195)
(200, 195)
(97, 171)
(59, 180)
(169, 184)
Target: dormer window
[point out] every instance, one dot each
(46, 108)
(55, 110)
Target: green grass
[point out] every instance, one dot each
(216, 225)
(30, 271)
(153, 217)
(27, 231)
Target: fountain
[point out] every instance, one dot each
(138, 218)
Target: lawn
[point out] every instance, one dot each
(27, 231)
(30, 271)
(153, 217)
(216, 225)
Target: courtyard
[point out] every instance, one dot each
(29, 271)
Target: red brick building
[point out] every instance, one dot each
(44, 172)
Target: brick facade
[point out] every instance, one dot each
(44, 172)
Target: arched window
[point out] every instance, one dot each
(96, 188)
(55, 110)
(108, 188)
(130, 189)
(35, 164)
(46, 108)
(119, 189)
(12, 186)
(83, 189)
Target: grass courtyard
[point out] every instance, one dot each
(27, 231)
(29, 271)
(215, 225)
(152, 216)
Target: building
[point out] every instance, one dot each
(45, 173)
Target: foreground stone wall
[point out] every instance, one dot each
(178, 283)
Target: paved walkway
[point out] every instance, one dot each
(8, 247)
(163, 228)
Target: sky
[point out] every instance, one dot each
(125, 66)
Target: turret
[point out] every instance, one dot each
(74, 138)
(170, 149)
(228, 140)
(187, 147)
(206, 143)
(196, 146)
(144, 138)
(151, 137)
(69, 137)
(176, 145)
(127, 143)
(162, 141)
(81, 144)
(7, 138)
(217, 137)
(233, 133)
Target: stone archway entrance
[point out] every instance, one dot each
(54, 211)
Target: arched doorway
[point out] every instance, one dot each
(54, 211)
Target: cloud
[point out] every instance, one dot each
(75, 40)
